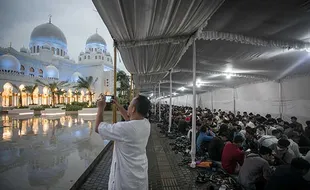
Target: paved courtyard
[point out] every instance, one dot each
(164, 172)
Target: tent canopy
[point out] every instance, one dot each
(238, 41)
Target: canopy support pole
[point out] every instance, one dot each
(159, 110)
(280, 100)
(155, 100)
(193, 144)
(131, 87)
(212, 107)
(234, 95)
(115, 78)
(170, 103)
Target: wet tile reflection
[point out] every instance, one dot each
(46, 153)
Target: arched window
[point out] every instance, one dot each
(95, 49)
(99, 57)
(31, 49)
(40, 71)
(107, 59)
(38, 49)
(96, 57)
(89, 57)
(57, 51)
(61, 52)
(22, 68)
(102, 58)
(31, 69)
(84, 56)
(80, 59)
(53, 50)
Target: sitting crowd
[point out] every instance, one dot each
(260, 151)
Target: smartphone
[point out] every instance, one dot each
(108, 99)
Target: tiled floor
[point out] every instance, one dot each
(164, 172)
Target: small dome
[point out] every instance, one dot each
(96, 38)
(50, 31)
(23, 50)
(9, 63)
(75, 76)
(51, 72)
(82, 53)
(46, 46)
(67, 57)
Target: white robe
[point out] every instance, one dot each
(129, 168)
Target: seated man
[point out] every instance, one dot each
(216, 146)
(232, 156)
(283, 154)
(288, 177)
(255, 170)
(269, 141)
(205, 136)
(294, 138)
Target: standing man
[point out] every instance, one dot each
(129, 169)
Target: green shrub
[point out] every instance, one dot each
(38, 108)
(45, 106)
(22, 107)
(73, 108)
(82, 104)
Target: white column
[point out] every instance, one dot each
(170, 102)
(193, 144)
(159, 107)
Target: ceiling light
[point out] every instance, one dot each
(182, 88)
(198, 83)
(174, 93)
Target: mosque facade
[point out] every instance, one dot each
(46, 59)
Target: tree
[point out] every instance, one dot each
(88, 84)
(30, 90)
(124, 89)
(20, 98)
(53, 87)
(77, 94)
(59, 92)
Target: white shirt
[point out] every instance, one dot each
(129, 168)
(295, 148)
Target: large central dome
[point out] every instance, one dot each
(96, 38)
(48, 35)
(48, 30)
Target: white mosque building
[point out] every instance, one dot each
(47, 59)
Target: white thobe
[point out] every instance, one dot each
(129, 167)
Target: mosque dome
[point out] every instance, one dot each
(9, 63)
(75, 76)
(96, 38)
(50, 31)
(51, 35)
(51, 72)
(24, 50)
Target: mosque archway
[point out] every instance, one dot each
(7, 95)
(24, 95)
(45, 96)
